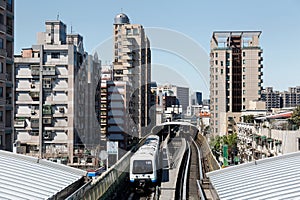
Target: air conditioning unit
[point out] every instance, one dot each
(47, 121)
(61, 110)
(32, 111)
(47, 135)
(47, 86)
(32, 85)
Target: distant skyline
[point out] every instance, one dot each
(278, 21)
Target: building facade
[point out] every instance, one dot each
(132, 64)
(56, 82)
(291, 98)
(235, 77)
(6, 73)
(271, 97)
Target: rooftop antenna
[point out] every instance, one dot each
(57, 17)
(71, 29)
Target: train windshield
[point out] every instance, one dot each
(142, 167)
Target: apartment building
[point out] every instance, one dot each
(235, 77)
(272, 98)
(291, 98)
(6, 73)
(132, 64)
(56, 83)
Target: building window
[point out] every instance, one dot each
(216, 70)
(216, 130)
(55, 55)
(222, 63)
(244, 84)
(244, 91)
(1, 67)
(216, 85)
(216, 123)
(227, 63)
(244, 69)
(298, 144)
(1, 91)
(1, 43)
(216, 100)
(216, 107)
(216, 92)
(216, 62)
(244, 61)
(244, 77)
(216, 77)
(1, 19)
(244, 54)
(222, 69)
(128, 31)
(1, 116)
(216, 115)
(216, 54)
(135, 31)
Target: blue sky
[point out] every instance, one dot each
(279, 22)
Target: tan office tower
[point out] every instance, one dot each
(55, 88)
(235, 77)
(132, 63)
(6, 73)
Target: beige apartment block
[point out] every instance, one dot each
(6, 73)
(235, 77)
(132, 64)
(55, 88)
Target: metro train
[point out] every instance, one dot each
(144, 164)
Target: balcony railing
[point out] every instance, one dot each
(9, 30)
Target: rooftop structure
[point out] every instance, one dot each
(270, 178)
(25, 177)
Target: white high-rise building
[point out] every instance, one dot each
(132, 64)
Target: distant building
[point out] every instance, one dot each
(181, 93)
(291, 98)
(272, 98)
(56, 83)
(6, 73)
(196, 98)
(235, 77)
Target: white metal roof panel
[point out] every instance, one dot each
(270, 178)
(25, 177)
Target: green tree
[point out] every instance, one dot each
(295, 118)
(248, 118)
(231, 141)
(215, 145)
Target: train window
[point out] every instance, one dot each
(142, 167)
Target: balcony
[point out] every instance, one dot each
(3, 53)
(2, 5)
(9, 7)
(34, 95)
(49, 70)
(9, 30)
(35, 72)
(19, 123)
(2, 28)
(47, 110)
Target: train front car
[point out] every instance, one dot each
(144, 165)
